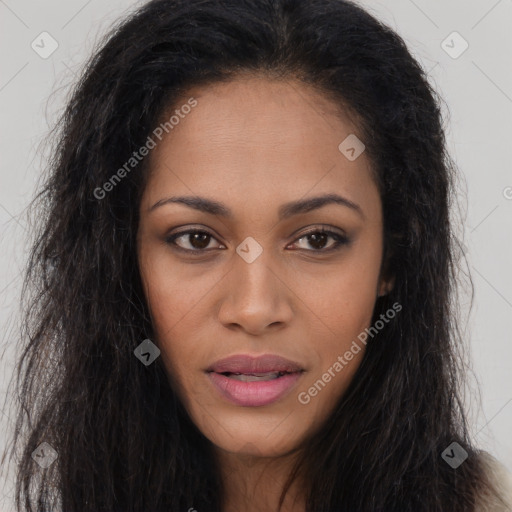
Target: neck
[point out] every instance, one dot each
(254, 484)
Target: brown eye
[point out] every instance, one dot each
(318, 240)
(195, 240)
(192, 240)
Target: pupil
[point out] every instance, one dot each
(199, 240)
(316, 237)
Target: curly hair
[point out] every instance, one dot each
(124, 441)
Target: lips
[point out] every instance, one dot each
(254, 381)
(254, 377)
(243, 364)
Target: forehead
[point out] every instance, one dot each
(255, 111)
(254, 136)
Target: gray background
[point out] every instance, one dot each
(477, 89)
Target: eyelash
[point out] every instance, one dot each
(340, 240)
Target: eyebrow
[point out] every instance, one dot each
(286, 210)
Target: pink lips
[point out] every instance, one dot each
(255, 393)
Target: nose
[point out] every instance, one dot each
(256, 298)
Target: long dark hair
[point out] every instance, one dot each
(123, 440)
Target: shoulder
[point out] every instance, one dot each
(501, 478)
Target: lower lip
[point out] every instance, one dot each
(253, 394)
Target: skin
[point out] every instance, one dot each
(254, 144)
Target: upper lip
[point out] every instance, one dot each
(241, 363)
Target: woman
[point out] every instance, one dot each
(244, 275)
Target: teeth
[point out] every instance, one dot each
(255, 377)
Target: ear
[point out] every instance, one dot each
(386, 277)
(385, 286)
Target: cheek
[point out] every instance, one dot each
(341, 298)
(173, 291)
(174, 297)
(340, 316)
(340, 304)
(349, 306)
(339, 349)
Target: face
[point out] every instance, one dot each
(267, 272)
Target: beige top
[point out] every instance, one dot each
(502, 479)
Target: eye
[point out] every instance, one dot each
(318, 238)
(197, 240)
